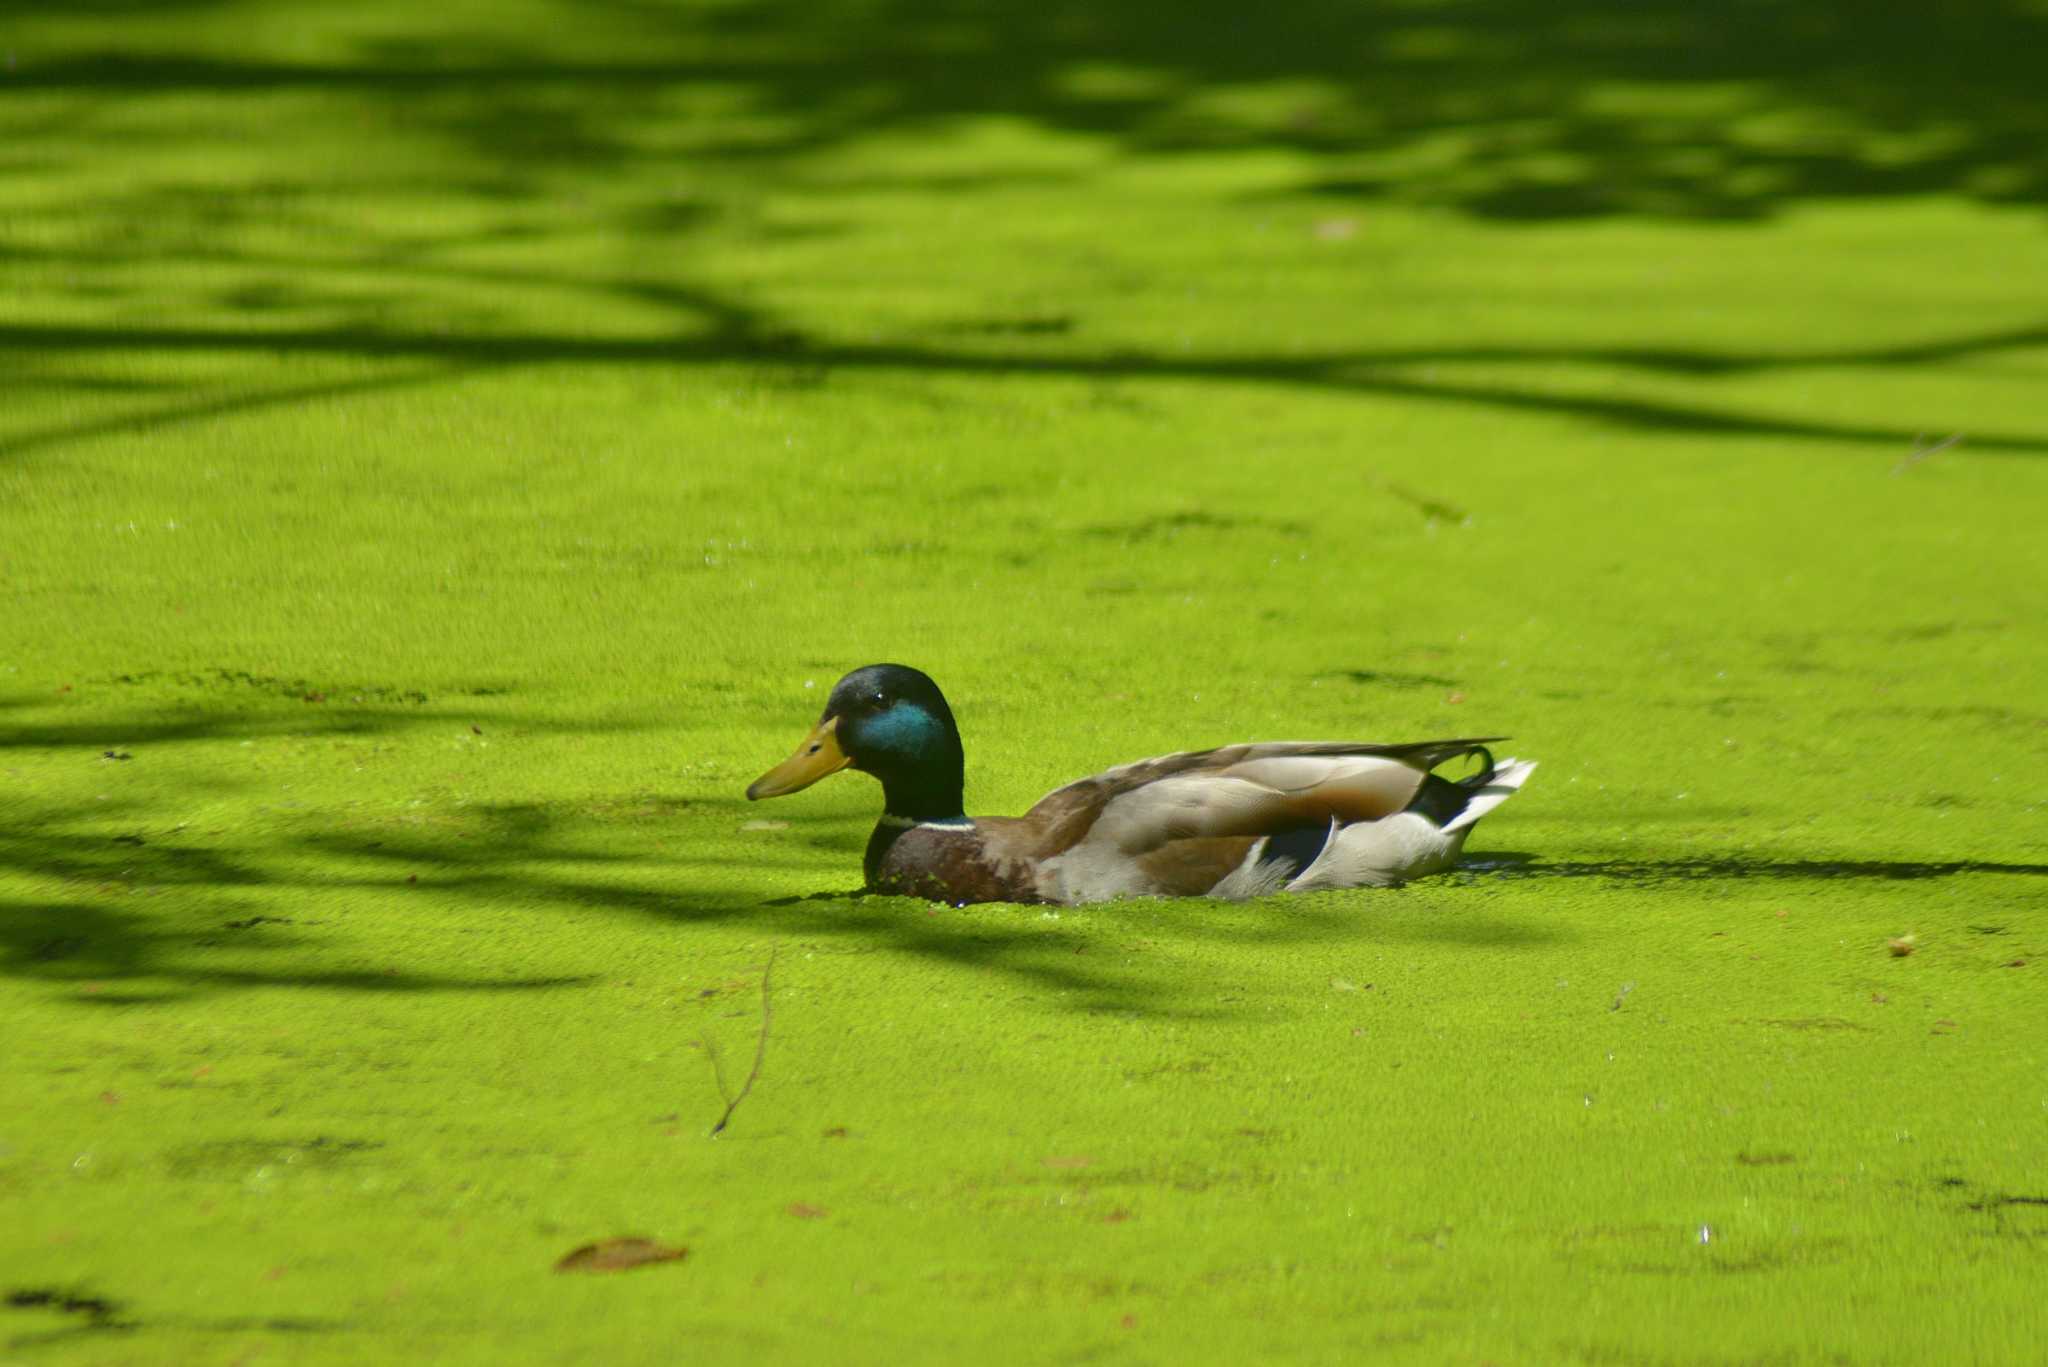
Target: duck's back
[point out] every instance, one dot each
(1247, 820)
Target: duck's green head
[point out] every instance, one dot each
(892, 722)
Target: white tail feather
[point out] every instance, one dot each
(1406, 845)
(1508, 776)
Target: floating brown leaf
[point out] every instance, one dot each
(618, 1255)
(803, 1211)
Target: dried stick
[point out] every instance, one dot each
(732, 1101)
(1921, 451)
(717, 1057)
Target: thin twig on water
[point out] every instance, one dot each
(717, 1057)
(1921, 451)
(733, 1099)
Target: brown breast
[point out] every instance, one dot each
(944, 864)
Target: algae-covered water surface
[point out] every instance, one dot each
(449, 451)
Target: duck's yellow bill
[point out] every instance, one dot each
(818, 757)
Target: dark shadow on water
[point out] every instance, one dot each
(1500, 108)
(203, 409)
(116, 954)
(1390, 678)
(800, 899)
(132, 904)
(1520, 866)
(1514, 111)
(1362, 372)
(142, 909)
(314, 708)
(139, 905)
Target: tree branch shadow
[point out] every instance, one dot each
(1498, 108)
(1589, 108)
(144, 911)
(1358, 372)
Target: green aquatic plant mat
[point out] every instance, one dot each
(449, 451)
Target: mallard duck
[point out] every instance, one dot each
(1237, 822)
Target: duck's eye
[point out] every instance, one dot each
(876, 700)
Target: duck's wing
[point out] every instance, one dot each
(1236, 791)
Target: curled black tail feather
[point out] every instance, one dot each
(1441, 799)
(1430, 753)
(1484, 775)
